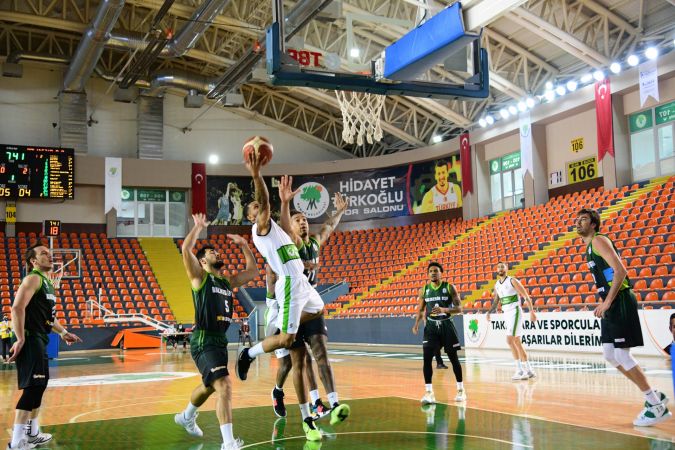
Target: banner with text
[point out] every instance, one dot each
(373, 194)
(577, 331)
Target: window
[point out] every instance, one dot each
(151, 212)
(506, 182)
(651, 142)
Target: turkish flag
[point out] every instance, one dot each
(198, 188)
(465, 161)
(603, 118)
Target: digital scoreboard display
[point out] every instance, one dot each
(36, 172)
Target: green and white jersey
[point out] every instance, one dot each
(440, 295)
(279, 251)
(506, 292)
(310, 252)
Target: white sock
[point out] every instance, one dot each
(314, 395)
(190, 411)
(18, 433)
(460, 385)
(278, 388)
(332, 398)
(652, 397)
(429, 388)
(304, 410)
(519, 365)
(256, 350)
(527, 365)
(226, 431)
(33, 427)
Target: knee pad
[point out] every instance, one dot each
(31, 398)
(624, 358)
(609, 355)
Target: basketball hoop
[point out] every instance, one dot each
(55, 278)
(360, 116)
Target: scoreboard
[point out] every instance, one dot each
(36, 172)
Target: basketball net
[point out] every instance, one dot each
(55, 277)
(360, 116)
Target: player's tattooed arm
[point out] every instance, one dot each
(261, 195)
(286, 194)
(456, 301)
(495, 304)
(192, 266)
(251, 271)
(341, 204)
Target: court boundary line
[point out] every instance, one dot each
(529, 416)
(393, 432)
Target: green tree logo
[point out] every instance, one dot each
(473, 326)
(313, 200)
(311, 194)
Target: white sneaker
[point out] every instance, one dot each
(235, 445)
(652, 415)
(190, 425)
(461, 395)
(23, 445)
(520, 375)
(428, 398)
(530, 374)
(39, 439)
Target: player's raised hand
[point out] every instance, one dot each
(237, 240)
(253, 162)
(341, 202)
(200, 220)
(286, 193)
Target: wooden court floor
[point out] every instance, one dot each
(126, 400)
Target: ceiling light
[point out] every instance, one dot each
(504, 113)
(213, 159)
(482, 123)
(530, 102)
(436, 139)
(615, 67)
(599, 75)
(522, 107)
(549, 85)
(571, 85)
(587, 78)
(490, 120)
(549, 95)
(354, 52)
(513, 110)
(652, 52)
(633, 60)
(560, 90)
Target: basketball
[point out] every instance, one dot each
(261, 146)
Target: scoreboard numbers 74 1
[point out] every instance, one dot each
(36, 172)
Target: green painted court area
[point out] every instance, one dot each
(382, 423)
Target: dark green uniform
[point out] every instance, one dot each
(621, 324)
(32, 365)
(439, 330)
(309, 252)
(213, 315)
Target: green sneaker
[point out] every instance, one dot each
(339, 413)
(311, 432)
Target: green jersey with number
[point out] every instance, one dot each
(602, 272)
(440, 295)
(309, 252)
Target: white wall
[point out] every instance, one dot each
(87, 207)
(502, 146)
(558, 141)
(29, 106)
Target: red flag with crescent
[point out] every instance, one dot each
(465, 161)
(198, 188)
(603, 118)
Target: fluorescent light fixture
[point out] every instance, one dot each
(436, 139)
(354, 52)
(213, 159)
(482, 122)
(490, 120)
(633, 60)
(549, 85)
(560, 90)
(513, 110)
(652, 52)
(587, 78)
(504, 113)
(615, 67)
(599, 75)
(549, 96)
(530, 102)
(522, 107)
(571, 85)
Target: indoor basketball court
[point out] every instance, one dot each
(470, 181)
